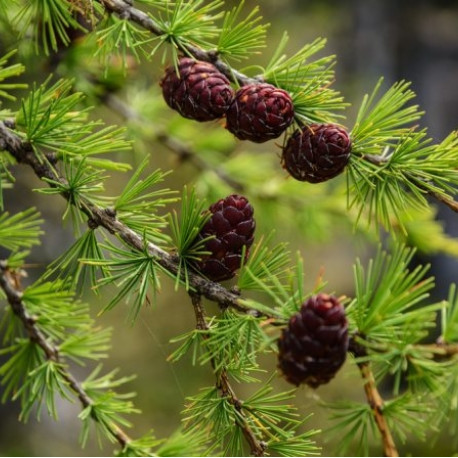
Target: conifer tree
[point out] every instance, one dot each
(377, 173)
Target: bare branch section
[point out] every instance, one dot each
(129, 12)
(376, 403)
(106, 218)
(9, 280)
(440, 349)
(182, 151)
(257, 446)
(452, 204)
(381, 161)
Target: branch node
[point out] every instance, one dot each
(111, 212)
(92, 223)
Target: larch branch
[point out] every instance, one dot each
(106, 218)
(382, 160)
(375, 402)
(257, 446)
(127, 11)
(9, 281)
(181, 150)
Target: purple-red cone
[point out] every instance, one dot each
(317, 152)
(232, 225)
(259, 112)
(199, 91)
(313, 346)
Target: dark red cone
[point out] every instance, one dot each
(259, 112)
(200, 91)
(232, 226)
(317, 153)
(313, 346)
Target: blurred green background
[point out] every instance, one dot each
(413, 40)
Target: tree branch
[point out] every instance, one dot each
(257, 447)
(382, 160)
(184, 152)
(452, 204)
(124, 9)
(9, 281)
(440, 349)
(106, 218)
(375, 401)
(373, 397)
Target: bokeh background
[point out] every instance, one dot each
(413, 40)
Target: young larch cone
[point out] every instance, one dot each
(313, 346)
(259, 112)
(232, 225)
(317, 152)
(199, 91)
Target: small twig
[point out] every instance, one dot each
(184, 152)
(376, 403)
(105, 218)
(374, 399)
(441, 349)
(8, 283)
(381, 160)
(129, 12)
(257, 447)
(452, 204)
(375, 159)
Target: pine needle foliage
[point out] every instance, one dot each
(120, 38)
(50, 21)
(307, 81)
(394, 166)
(21, 230)
(240, 38)
(185, 230)
(81, 185)
(68, 265)
(8, 72)
(177, 23)
(125, 244)
(134, 274)
(50, 120)
(140, 202)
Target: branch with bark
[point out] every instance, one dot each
(375, 402)
(9, 281)
(382, 160)
(106, 218)
(127, 11)
(179, 148)
(257, 447)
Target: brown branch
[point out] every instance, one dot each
(382, 160)
(125, 10)
(9, 281)
(106, 218)
(440, 349)
(184, 152)
(257, 447)
(376, 403)
(451, 203)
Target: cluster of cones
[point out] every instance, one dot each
(257, 112)
(313, 345)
